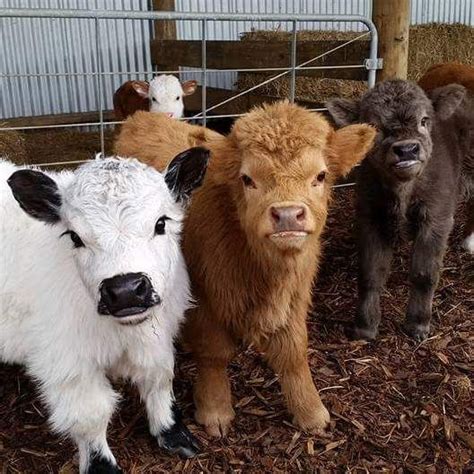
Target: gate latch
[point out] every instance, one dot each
(372, 64)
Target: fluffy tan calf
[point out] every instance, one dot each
(252, 242)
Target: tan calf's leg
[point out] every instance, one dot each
(286, 352)
(213, 348)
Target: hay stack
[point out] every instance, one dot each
(49, 146)
(429, 44)
(13, 146)
(439, 43)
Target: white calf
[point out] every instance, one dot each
(99, 291)
(166, 95)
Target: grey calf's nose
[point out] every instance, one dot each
(125, 295)
(407, 151)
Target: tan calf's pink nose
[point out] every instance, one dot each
(288, 218)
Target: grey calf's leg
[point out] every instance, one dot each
(428, 252)
(375, 256)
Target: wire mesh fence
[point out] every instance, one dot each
(94, 71)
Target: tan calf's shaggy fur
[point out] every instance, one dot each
(252, 242)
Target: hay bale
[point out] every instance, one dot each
(438, 43)
(12, 146)
(49, 146)
(307, 88)
(34, 147)
(429, 44)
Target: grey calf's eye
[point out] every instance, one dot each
(161, 225)
(425, 121)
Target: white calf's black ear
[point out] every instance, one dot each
(186, 172)
(447, 99)
(37, 194)
(343, 111)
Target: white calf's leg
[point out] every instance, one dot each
(164, 417)
(82, 408)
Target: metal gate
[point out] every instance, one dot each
(101, 18)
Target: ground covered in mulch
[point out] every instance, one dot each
(396, 406)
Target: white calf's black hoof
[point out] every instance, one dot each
(177, 439)
(101, 465)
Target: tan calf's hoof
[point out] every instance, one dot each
(216, 423)
(314, 422)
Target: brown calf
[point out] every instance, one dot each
(252, 242)
(441, 75)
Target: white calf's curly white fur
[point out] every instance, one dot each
(109, 221)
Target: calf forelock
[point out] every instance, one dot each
(118, 190)
(283, 128)
(165, 86)
(394, 103)
(111, 178)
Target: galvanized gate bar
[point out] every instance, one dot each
(371, 63)
(164, 15)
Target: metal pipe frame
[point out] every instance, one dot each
(369, 63)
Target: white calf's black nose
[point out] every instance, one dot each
(126, 295)
(407, 150)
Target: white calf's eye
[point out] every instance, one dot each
(76, 240)
(161, 225)
(177, 98)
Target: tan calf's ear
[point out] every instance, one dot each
(348, 146)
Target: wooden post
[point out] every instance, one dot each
(392, 19)
(165, 29)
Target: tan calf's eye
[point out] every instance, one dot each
(319, 179)
(248, 181)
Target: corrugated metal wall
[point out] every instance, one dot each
(33, 46)
(57, 46)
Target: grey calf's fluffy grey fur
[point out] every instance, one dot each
(408, 187)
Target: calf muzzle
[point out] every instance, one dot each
(288, 219)
(406, 154)
(126, 295)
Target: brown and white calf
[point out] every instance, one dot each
(454, 73)
(163, 94)
(252, 242)
(408, 186)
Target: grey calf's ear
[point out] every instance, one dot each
(186, 172)
(37, 194)
(447, 99)
(343, 111)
